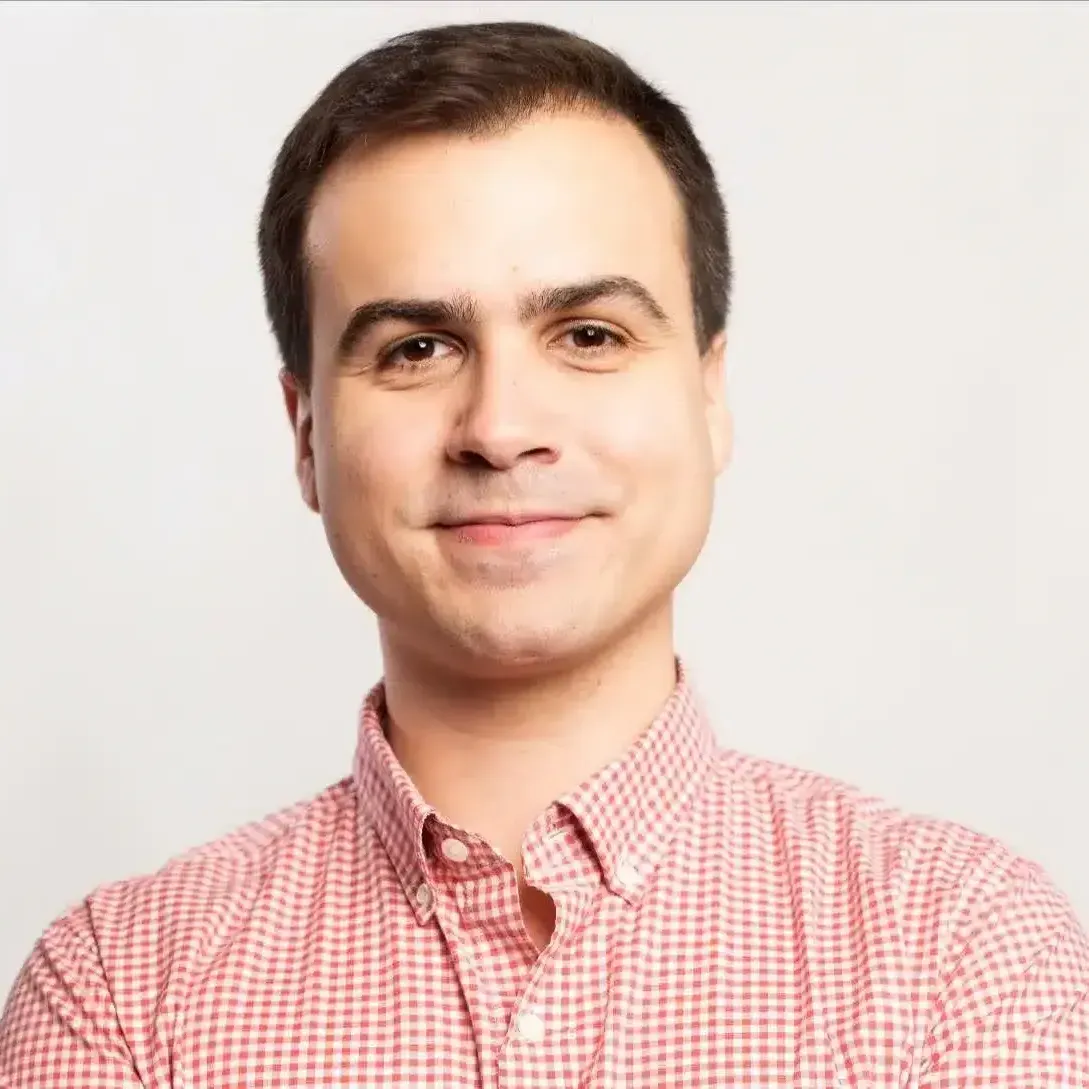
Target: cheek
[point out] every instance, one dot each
(659, 446)
(656, 434)
(370, 464)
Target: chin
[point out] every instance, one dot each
(523, 652)
(490, 649)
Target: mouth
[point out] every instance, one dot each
(510, 529)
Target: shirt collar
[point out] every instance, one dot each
(628, 811)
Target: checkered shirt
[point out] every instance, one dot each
(721, 921)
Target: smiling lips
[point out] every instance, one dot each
(511, 529)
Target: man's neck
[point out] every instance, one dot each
(490, 757)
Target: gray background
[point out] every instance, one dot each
(896, 587)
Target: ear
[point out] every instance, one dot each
(300, 411)
(720, 424)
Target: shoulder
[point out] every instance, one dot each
(113, 971)
(928, 874)
(977, 939)
(159, 930)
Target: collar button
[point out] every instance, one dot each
(455, 850)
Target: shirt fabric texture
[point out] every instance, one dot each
(721, 921)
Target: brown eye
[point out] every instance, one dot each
(591, 338)
(417, 352)
(418, 349)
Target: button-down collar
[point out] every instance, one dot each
(628, 810)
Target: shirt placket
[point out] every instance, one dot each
(513, 993)
(543, 1046)
(478, 910)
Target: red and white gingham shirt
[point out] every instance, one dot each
(721, 921)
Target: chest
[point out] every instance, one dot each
(722, 988)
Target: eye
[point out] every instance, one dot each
(591, 338)
(414, 353)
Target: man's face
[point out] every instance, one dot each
(510, 433)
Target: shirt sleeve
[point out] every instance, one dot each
(1013, 1009)
(59, 1028)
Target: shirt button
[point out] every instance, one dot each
(455, 850)
(531, 1028)
(424, 896)
(628, 875)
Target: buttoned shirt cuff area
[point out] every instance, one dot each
(1012, 1011)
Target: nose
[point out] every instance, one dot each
(502, 419)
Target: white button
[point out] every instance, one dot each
(628, 875)
(455, 850)
(531, 1028)
(424, 897)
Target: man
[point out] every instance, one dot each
(496, 266)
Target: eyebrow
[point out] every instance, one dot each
(462, 309)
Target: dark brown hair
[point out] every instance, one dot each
(477, 79)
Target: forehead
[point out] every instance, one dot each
(555, 200)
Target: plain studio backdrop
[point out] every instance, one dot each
(897, 584)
